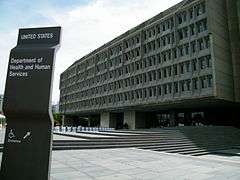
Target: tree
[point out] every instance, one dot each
(57, 119)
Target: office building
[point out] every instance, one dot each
(184, 60)
(1, 104)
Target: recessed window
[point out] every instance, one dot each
(176, 87)
(175, 70)
(193, 47)
(194, 65)
(201, 44)
(182, 68)
(210, 81)
(159, 90)
(159, 74)
(165, 89)
(191, 13)
(165, 72)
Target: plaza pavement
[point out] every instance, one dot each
(131, 163)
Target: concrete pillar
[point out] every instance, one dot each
(105, 119)
(233, 10)
(135, 120)
(130, 119)
(108, 119)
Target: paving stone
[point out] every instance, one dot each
(131, 163)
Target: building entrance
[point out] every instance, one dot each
(119, 120)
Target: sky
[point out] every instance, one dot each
(86, 25)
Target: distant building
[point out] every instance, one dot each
(183, 60)
(1, 104)
(55, 108)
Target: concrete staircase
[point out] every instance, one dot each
(193, 141)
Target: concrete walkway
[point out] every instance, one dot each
(125, 164)
(131, 163)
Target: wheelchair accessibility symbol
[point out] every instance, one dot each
(11, 134)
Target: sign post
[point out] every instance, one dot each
(28, 138)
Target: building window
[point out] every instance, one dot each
(170, 71)
(164, 72)
(137, 80)
(188, 66)
(203, 85)
(200, 9)
(186, 49)
(195, 84)
(150, 92)
(172, 38)
(175, 70)
(158, 29)
(188, 84)
(181, 51)
(182, 68)
(144, 78)
(202, 26)
(194, 65)
(207, 42)
(174, 52)
(191, 13)
(170, 88)
(169, 55)
(193, 47)
(150, 76)
(176, 87)
(165, 89)
(182, 86)
(159, 74)
(208, 59)
(200, 44)
(144, 93)
(164, 56)
(159, 91)
(210, 81)
(192, 30)
(180, 34)
(163, 41)
(205, 62)
(154, 75)
(163, 27)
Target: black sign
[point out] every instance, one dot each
(28, 139)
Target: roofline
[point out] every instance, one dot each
(159, 16)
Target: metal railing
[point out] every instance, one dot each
(80, 129)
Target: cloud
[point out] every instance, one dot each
(88, 26)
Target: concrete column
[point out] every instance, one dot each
(105, 119)
(233, 10)
(135, 120)
(130, 119)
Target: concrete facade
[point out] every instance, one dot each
(188, 52)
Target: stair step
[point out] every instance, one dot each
(168, 148)
(194, 151)
(156, 147)
(184, 150)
